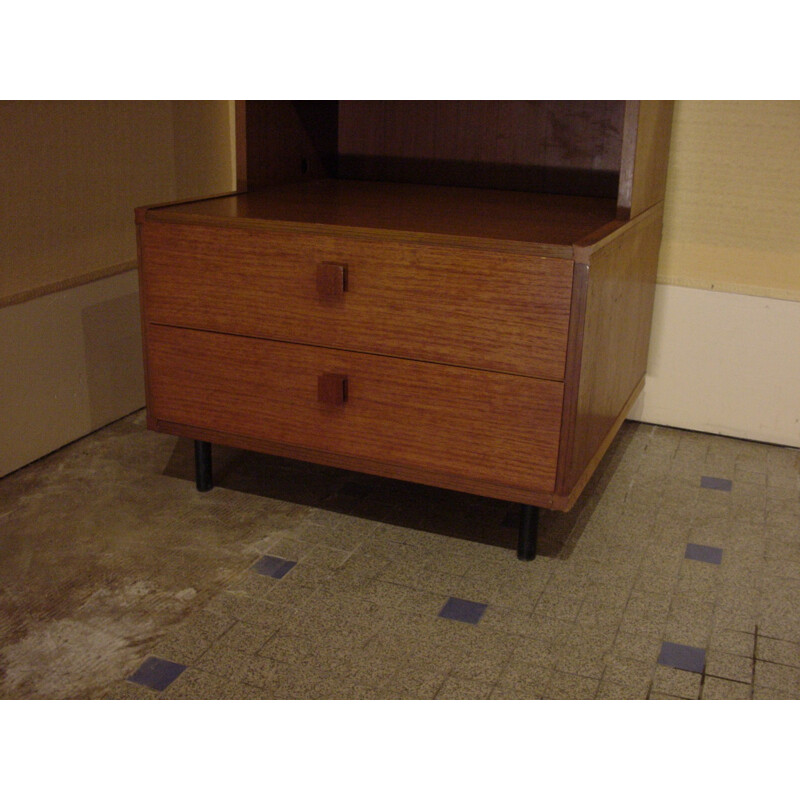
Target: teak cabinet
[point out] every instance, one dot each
(457, 293)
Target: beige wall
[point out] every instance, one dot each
(732, 208)
(72, 174)
(725, 346)
(70, 362)
(204, 140)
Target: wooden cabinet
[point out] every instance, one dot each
(453, 293)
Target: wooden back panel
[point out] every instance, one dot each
(567, 147)
(595, 148)
(281, 140)
(562, 147)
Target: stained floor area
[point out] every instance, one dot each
(676, 576)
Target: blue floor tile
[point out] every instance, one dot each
(157, 673)
(273, 566)
(463, 610)
(682, 656)
(701, 552)
(721, 484)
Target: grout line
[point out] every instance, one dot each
(702, 680)
(753, 672)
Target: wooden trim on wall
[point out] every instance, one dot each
(645, 154)
(240, 135)
(67, 283)
(630, 127)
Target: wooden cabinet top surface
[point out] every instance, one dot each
(542, 224)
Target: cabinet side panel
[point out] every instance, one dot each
(645, 154)
(616, 333)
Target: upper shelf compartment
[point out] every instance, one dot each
(605, 149)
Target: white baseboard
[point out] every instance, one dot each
(70, 362)
(724, 363)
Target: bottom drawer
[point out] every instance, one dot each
(483, 426)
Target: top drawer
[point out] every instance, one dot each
(462, 306)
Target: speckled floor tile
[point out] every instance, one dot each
(246, 638)
(585, 660)
(189, 641)
(630, 672)
(559, 606)
(414, 683)
(506, 620)
(719, 689)
(526, 679)
(732, 641)
(777, 676)
(124, 690)
(142, 564)
(541, 652)
(608, 690)
(729, 666)
(760, 693)
(461, 689)
(506, 692)
(640, 648)
(778, 651)
(565, 686)
(677, 682)
(194, 684)
(484, 663)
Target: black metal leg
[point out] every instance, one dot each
(202, 466)
(528, 532)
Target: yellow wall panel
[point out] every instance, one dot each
(73, 171)
(732, 208)
(204, 147)
(71, 174)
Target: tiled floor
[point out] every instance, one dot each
(676, 576)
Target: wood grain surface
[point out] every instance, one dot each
(645, 155)
(609, 358)
(481, 426)
(576, 133)
(476, 308)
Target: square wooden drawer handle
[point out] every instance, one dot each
(331, 280)
(332, 389)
